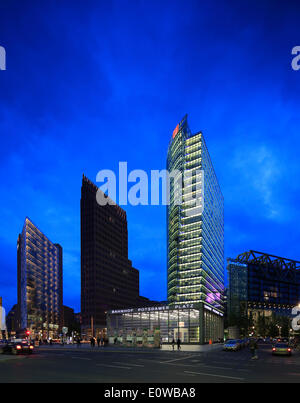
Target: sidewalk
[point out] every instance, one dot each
(111, 348)
(204, 348)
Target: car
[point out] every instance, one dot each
(232, 345)
(19, 346)
(281, 349)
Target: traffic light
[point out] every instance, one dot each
(27, 332)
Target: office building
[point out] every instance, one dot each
(12, 321)
(68, 317)
(39, 283)
(108, 280)
(261, 284)
(195, 242)
(195, 247)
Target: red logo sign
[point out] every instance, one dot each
(175, 131)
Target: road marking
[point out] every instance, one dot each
(112, 366)
(218, 376)
(81, 358)
(132, 365)
(177, 359)
(166, 362)
(212, 366)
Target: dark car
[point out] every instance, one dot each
(281, 349)
(19, 347)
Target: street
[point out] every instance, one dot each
(109, 364)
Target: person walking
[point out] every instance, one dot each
(98, 341)
(253, 349)
(78, 342)
(173, 343)
(178, 344)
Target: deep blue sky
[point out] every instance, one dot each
(91, 83)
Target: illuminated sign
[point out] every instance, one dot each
(175, 131)
(213, 310)
(151, 309)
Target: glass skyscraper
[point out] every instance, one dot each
(195, 244)
(39, 283)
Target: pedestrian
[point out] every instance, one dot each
(173, 343)
(101, 341)
(178, 344)
(98, 341)
(253, 349)
(92, 341)
(78, 341)
(115, 340)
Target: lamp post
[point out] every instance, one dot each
(279, 327)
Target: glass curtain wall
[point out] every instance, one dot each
(154, 328)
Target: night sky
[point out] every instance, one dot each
(92, 83)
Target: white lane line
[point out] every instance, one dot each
(178, 359)
(212, 366)
(112, 366)
(132, 365)
(81, 358)
(218, 376)
(168, 363)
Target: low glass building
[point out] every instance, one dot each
(150, 326)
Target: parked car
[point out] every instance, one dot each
(232, 345)
(281, 349)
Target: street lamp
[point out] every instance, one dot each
(279, 327)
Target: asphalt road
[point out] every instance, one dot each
(63, 364)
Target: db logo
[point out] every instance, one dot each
(296, 319)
